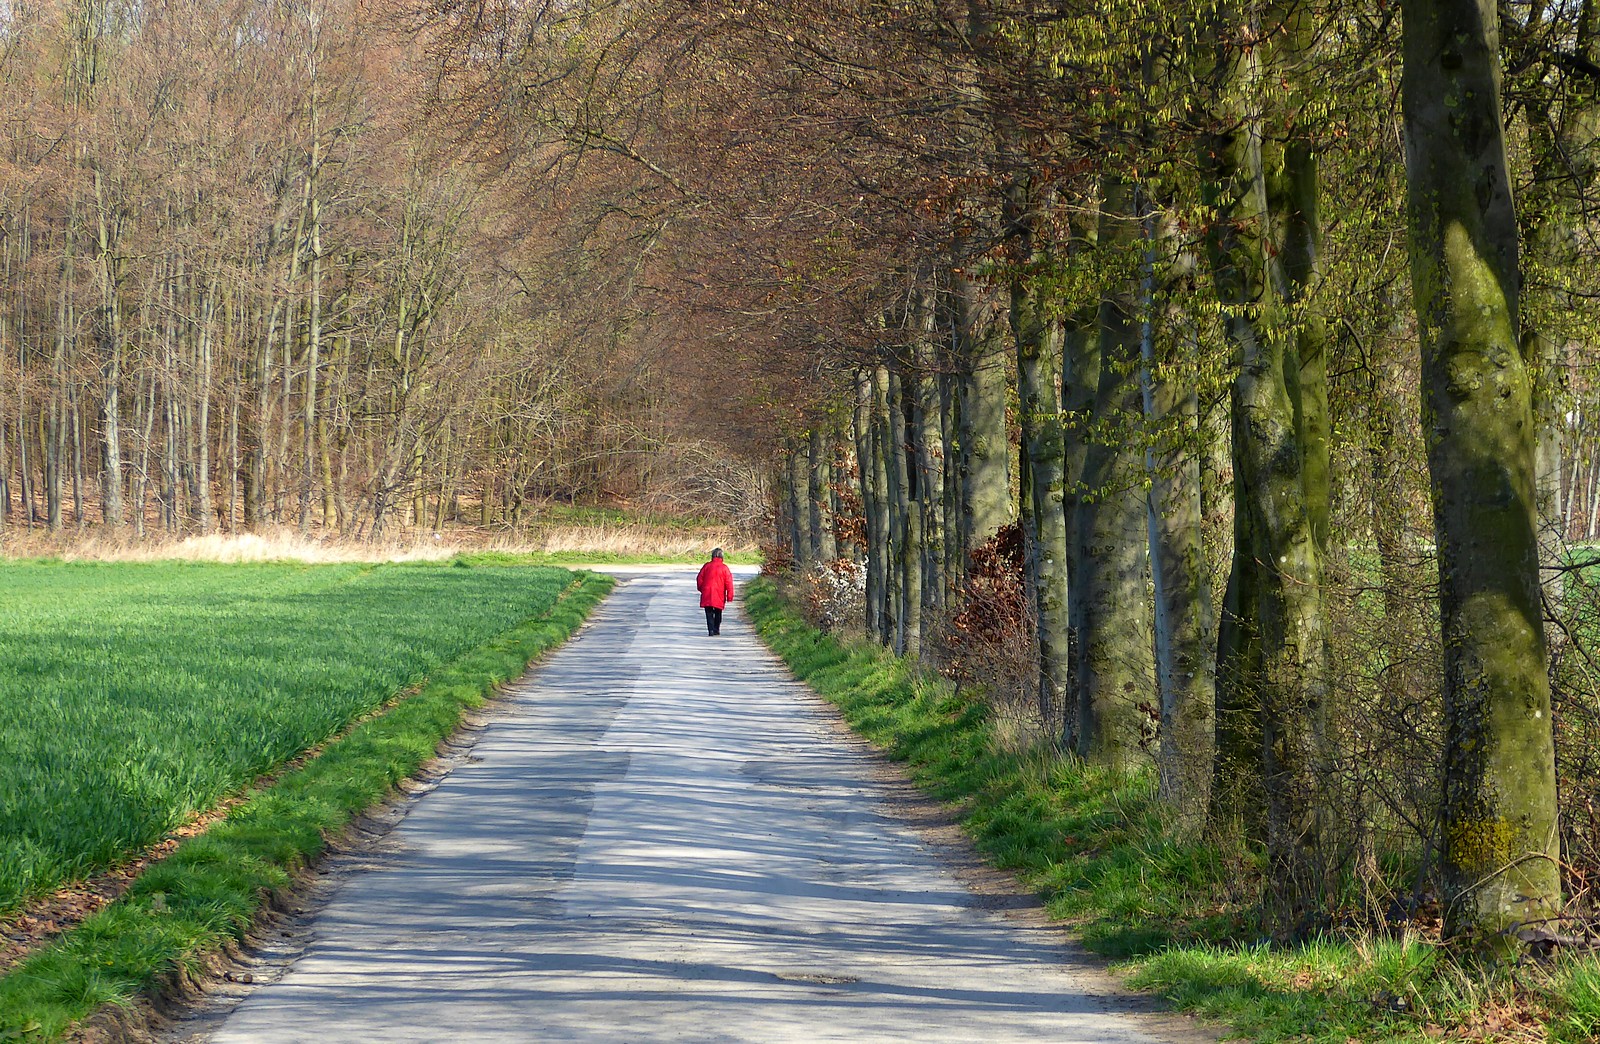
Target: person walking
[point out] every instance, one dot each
(716, 590)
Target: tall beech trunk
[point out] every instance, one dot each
(871, 496)
(1080, 383)
(111, 338)
(928, 434)
(52, 436)
(314, 337)
(141, 476)
(76, 436)
(1498, 845)
(786, 513)
(801, 507)
(1184, 623)
(950, 480)
(908, 514)
(820, 482)
(931, 481)
(1273, 652)
(985, 452)
(202, 427)
(1039, 348)
(887, 500)
(1564, 140)
(1114, 670)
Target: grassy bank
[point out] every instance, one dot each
(1180, 916)
(212, 886)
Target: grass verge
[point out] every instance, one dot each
(1179, 916)
(212, 887)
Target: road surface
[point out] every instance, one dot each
(663, 837)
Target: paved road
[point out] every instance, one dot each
(663, 838)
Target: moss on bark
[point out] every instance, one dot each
(1499, 804)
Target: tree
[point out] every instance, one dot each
(1499, 843)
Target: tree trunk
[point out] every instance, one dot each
(985, 451)
(1114, 670)
(903, 392)
(1273, 657)
(314, 340)
(800, 507)
(1565, 144)
(1185, 670)
(866, 470)
(950, 485)
(930, 479)
(885, 453)
(1039, 350)
(111, 337)
(1499, 846)
(53, 436)
(202, 434)
(819, 477)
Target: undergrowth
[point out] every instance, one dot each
(1180, 917)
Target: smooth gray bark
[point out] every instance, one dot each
(820, 481)
(1273, 651)
(1499, 847)
(908, 554)
(986, 453)
(927, 419)
(883, 550)
(1114, 668)
(1039, 349)
(871, 495)
(1184, 625)
(800, 506)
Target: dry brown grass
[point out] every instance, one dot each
(630, 541)
(266, 546)
(635, 541)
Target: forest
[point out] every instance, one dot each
(1205, 381)
(252, 278)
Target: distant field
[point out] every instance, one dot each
(133, 695)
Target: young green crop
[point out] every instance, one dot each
(134, 695)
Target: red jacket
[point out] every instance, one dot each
(715, 583)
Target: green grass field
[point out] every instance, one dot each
(134, 695)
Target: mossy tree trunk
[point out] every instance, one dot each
(801, 505)
(1184, 622)
(883, 627)
(985, 452)
(1080, 382)
(1039, 347)
(1273, 652)
(1563, 125)
(1498, 844)
(820, 479)
(927, 416)
(905, 472)
(1114, 670)
(950, 479)
(871, 496)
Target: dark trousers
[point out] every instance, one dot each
(713, 619)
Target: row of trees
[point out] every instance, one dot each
(1143, 283)
(1217, 269)
(247, 279)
